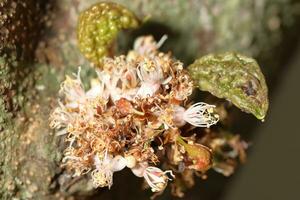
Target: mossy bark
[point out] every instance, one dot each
(37, 51)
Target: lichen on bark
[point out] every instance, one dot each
(26, 155)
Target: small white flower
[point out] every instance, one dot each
(139, 169)
(129, 84)
(130, 79)
(146, 45)
(73, 91)
(102, 176)
(199, 115)
(156, 178)
(61, 118)
(96, 90)
(110, 81)
(151, 79)
(130, 161)
(113, 85)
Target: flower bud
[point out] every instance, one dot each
(198, 154)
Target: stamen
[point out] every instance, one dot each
(103, 174)
(102, 178)
(156, 178)
(201, 115)
(161, 41)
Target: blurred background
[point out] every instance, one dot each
(38, 47)
(271, 171)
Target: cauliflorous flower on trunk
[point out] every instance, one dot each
(156, 178)
(199, 115)
(102, 176)
(151, 76)
(73, 91)
(147, 45)
(130, 117)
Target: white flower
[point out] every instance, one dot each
(110, 81)
(129, 84)
(130, 161)
(75, 95)
(114, 82)
(199, 115)
(73, 91)
(96, 90)
(102, 176)
(146, 45)
(139, 169)
(156, 178)
(60, 118)
(152, 77)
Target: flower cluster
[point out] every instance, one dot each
(134, 115)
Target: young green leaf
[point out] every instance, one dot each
(98, 27)
(234, 77)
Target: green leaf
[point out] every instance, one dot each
(234, 77)
(98, 27)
